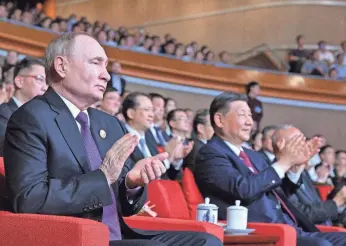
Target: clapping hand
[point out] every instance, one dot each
(146, 170)
(177, 150)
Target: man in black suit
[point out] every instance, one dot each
(156, 132)
(138, 112)
(116, 81)
(267, 151)
(306, 197)
(204, 131)
(29, 81)
(228, 172)
(63, 157)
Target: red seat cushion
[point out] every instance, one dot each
(191, 192)
(168, 198)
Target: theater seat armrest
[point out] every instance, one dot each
(330, 228)
(287, 234)
(33, 229)
(163, 224)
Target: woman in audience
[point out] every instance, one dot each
(209, 57)
(54, 26)
(179, 51)
(45, 22)
(199, 56)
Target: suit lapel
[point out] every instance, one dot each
(253, 160)
(68, 128)
(12, 105)
(137, 155)
(235, 159)
(96, 127)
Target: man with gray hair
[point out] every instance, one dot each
(64, 158)
(306, 197)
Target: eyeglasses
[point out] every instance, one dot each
(38, 78)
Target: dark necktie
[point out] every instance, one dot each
(158, 131)
(110, 212)
(248, 163)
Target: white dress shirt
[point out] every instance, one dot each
(19, 103)
(294, 177)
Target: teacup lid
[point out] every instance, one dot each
(206, 204)
(237, 206)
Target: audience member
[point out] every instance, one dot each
(178, 123)
(298, 56)
(29, 81)
(111, 101)
(54, 163)
(139, 115)
(306, 198)
(327, 156)
(156, 130)
(227, 172)
(340, 67)
(267, 151)
(322, 174)
(340, 168)
(116, 80)
(256, 141)
(253, 91)
(314, 65)
(203, 132)
(324, 54)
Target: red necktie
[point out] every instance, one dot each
(248, 163)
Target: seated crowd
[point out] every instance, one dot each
(138, 40)
(272, 173)
(320, 62)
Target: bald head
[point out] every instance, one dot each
(283, 133)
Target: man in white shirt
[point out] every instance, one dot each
(138, 112)
(324, 54)
(29, 81)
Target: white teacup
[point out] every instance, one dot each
(237, 217)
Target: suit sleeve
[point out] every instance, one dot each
(316, 212)
(216, 174)
(32, 189)
(134, 205)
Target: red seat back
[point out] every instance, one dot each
(192, 194)
(2, 167)
(168, 198)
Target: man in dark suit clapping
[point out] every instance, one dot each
(229, 172)
(29, 81)
(64, 158)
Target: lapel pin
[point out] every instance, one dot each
(103, 133)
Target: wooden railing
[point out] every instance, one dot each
(33, 42)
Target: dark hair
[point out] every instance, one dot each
(156, 95)
(324, 148)
(171, 115)
(318, 166)
(109, 89)
(343, 43)
(221, 102)
(169, 99)
(268, 129)
(340, 151)
(250, 85)
(200, 118)
(26, 63)
(321, 42)
(299, 37)
(130, 102)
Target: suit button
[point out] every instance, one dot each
(278, 206)
(273, 182)
(100, 204)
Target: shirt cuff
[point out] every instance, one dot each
(341, 209)
(177, 165)
(278, 170)
(132, 193)
(294, 177)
